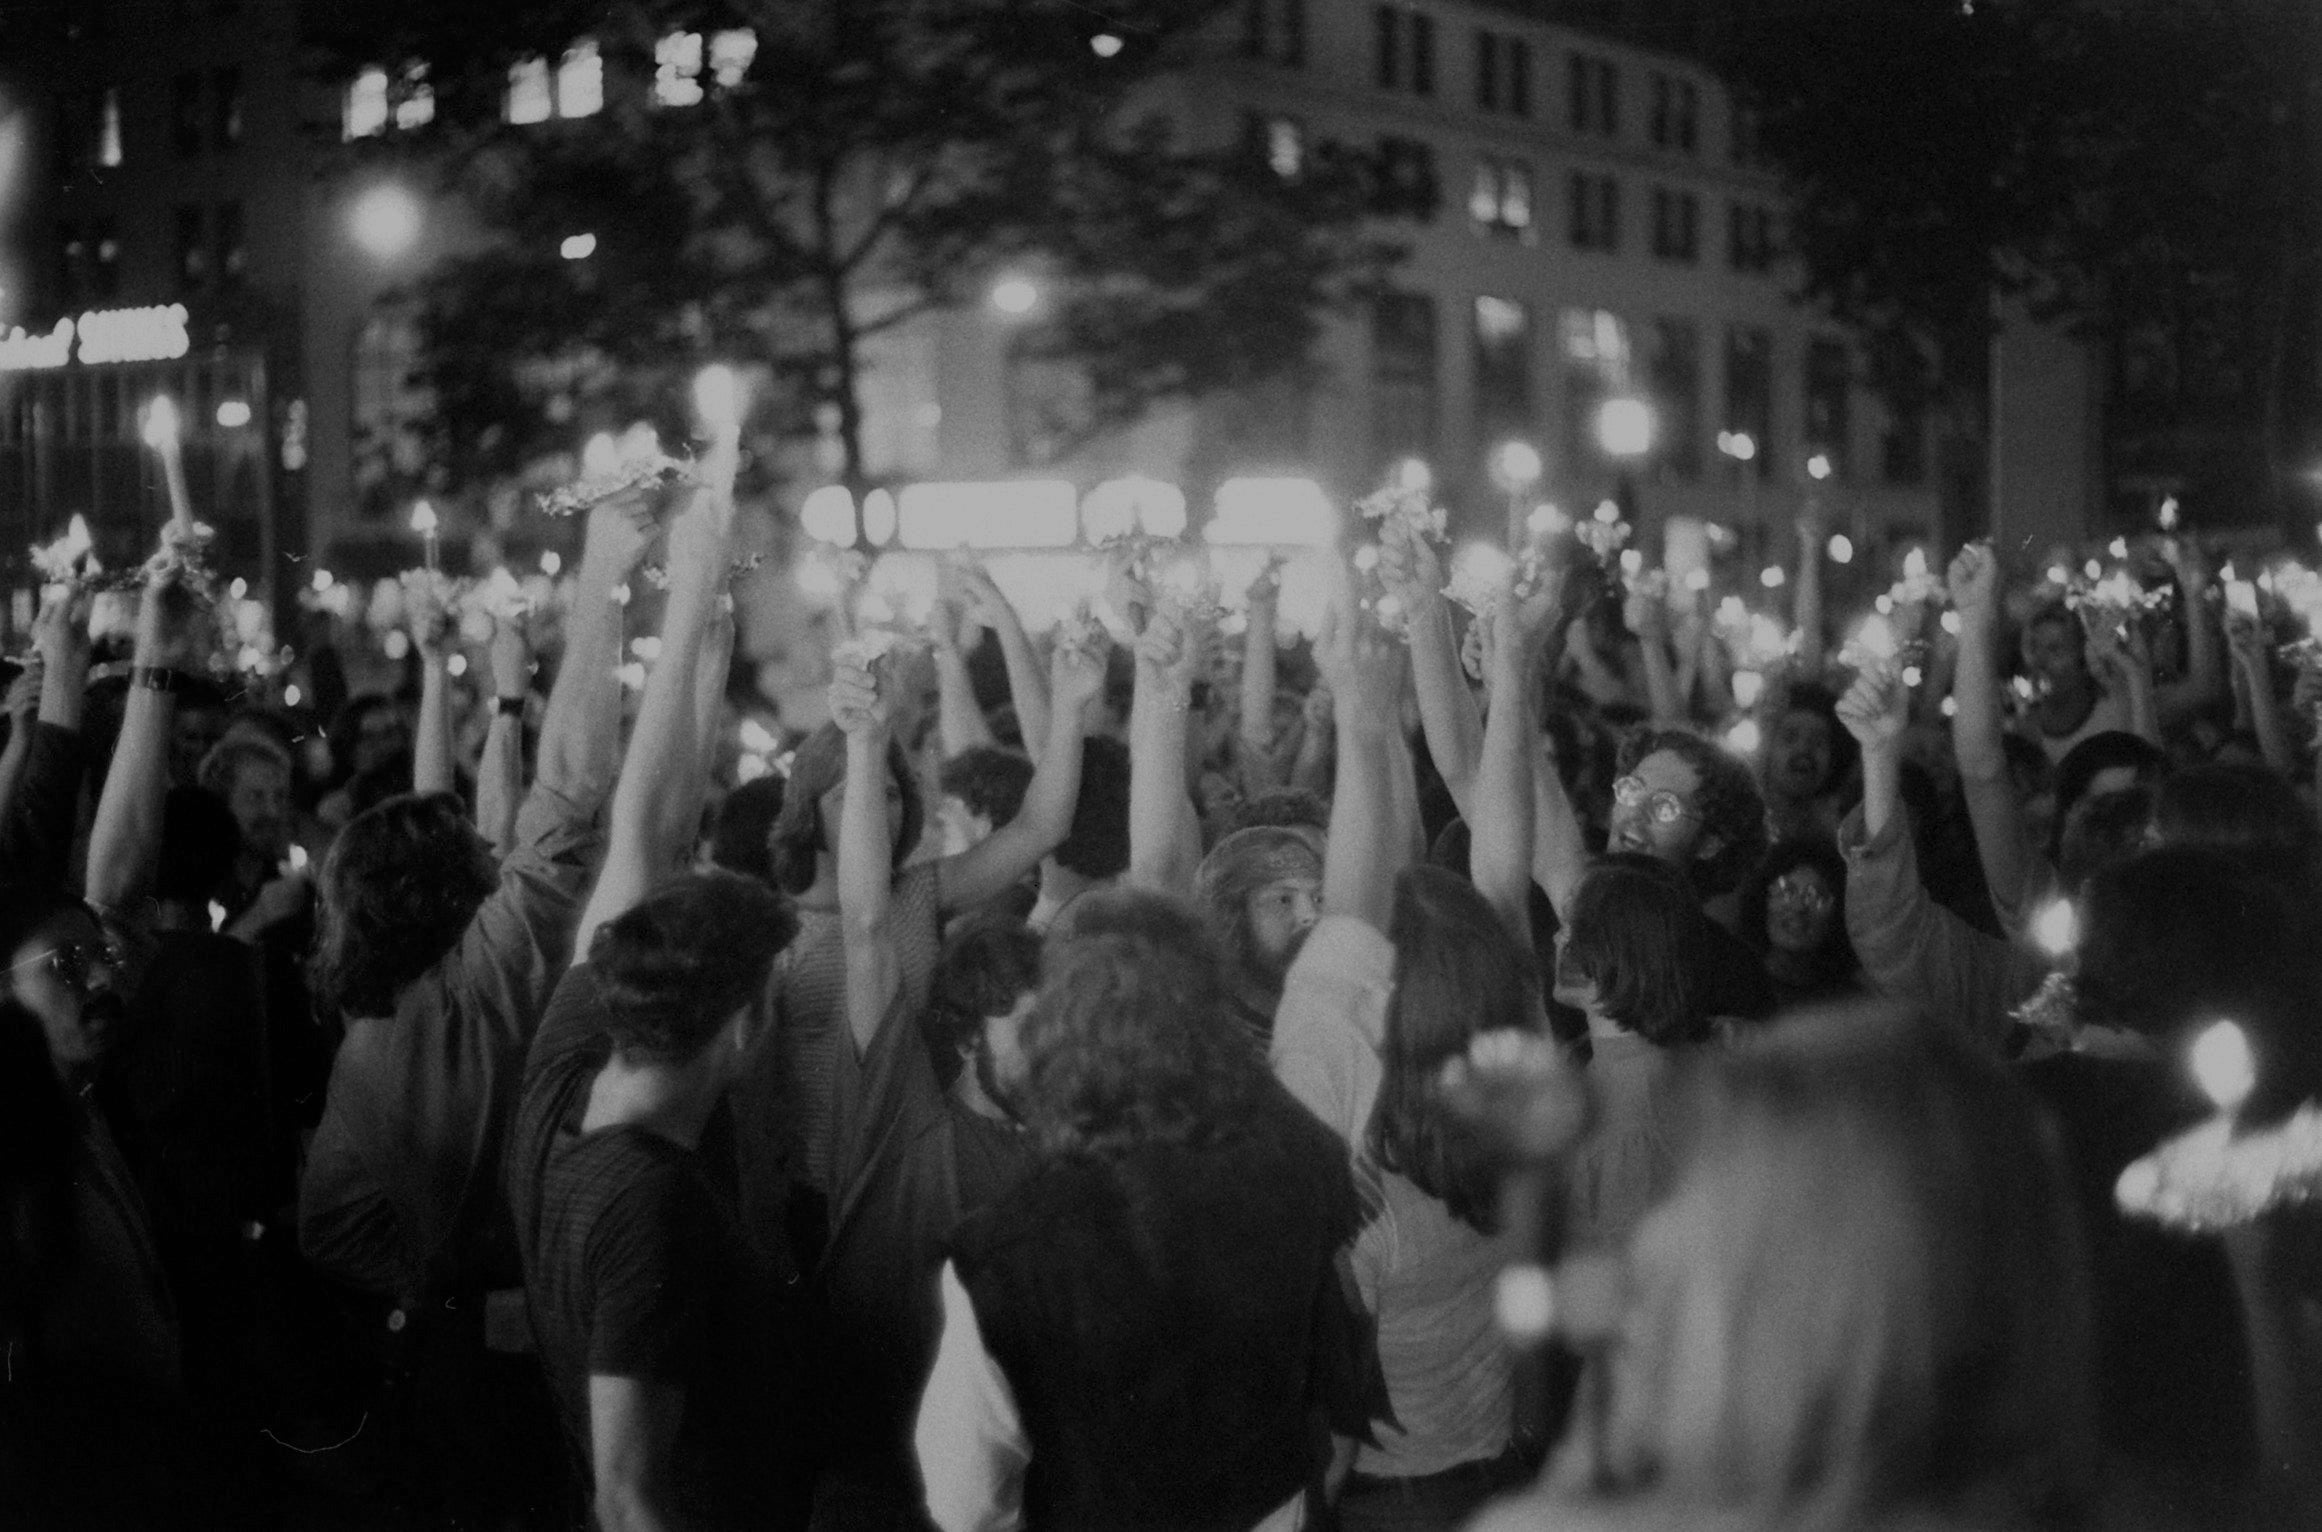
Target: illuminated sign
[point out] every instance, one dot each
(104, 335)
(1034, 513)
(1275, 512)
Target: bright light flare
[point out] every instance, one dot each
(161, 424)
(2057, 928)
(1841, 548)
(385, 221)
(1818, 466)
(1738, 445)
(1773, 577)
(1624, 427)
(1748, 687)
(1548, 520)
(828, 515)
(1105, 45)
(2224, 1066)
(424, 521)
(600, 455)
(578, 247)
(717, 398)
(1414, 475)
(1014, 295)
(1744, 738)
(1273, 512)
(1516, 465)
(233, 414)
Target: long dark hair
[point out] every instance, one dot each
(400, 885)
(819, 766)
(1457, 973)
(1635, 933)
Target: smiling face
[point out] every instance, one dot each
(66, 974)
(1642, 825)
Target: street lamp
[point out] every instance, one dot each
(385, 220)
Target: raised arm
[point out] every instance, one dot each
(1808, 590)
(1413, 575)
(23, 709)
(500, 773)
(1877, 711)
(2206, 677)
(1977, 731)
(61, 633)
(960, 719)
(2124, 663)
(433, 633)
(580, 734)
(1369, 820)
(1500, 826)
(1001, 859)
(125, 842)
(1559, 849)
(641, 847)
(1648, 618)
(1160, 803)
(1027, 681)
(1254, 742)
(2254, 672)
(866, 852)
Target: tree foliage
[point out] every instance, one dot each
(879, 160)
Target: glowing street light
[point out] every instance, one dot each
(1014, 295)
(385, 221)
(1624, 427)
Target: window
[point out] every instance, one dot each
(414, 97)
(192, 262)
(1404, 50)
(580, 80)
(1749, 237)
(185, 115)
(1595, 90)
(1596, 211)
(377, 100)
(108, 149)
(1285, 147)
(1903, 447)
(1673, 378)
(1676, 113)
(233, 247)
(1502, 199)
(677, 70)
(1828, 373)
(365, 110)
(1503, 73)
(1503, 367)
(1598, 358)
(1749, 393)
(1676, 225)
(730, 54)
(530, 97)
(1274, 31)
(1402, 374)
(1406, 186)
(225, 109)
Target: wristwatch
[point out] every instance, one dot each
(157, 678)
(508, 707)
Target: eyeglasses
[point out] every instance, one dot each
(1799, 893)
(1661, 806)
(75, 963)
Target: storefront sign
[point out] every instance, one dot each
(103, 336)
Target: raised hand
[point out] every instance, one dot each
(24, 691)
(1876, 710)
(618, 531)
(1974, 581)
(1364, 666)
(1409, 567)
(858, 702)
(1075, 675)
(173, 622)
(60, 634)
(428, 616)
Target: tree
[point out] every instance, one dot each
(876, 160)
(2140, 173)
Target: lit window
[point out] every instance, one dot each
(1502, 198)
(366, 112)
(1499, 319)
(109, 130)
(529, 96)
(677, 69)
(730, 54)
(416, 108)
(1285, 147)
(580, 80)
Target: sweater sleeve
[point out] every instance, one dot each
(36, 837)
(1332, 1020)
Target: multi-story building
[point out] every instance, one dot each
(1585, 222)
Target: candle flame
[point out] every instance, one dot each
(2057, 928)
(2224, 1066)
(717, 394)
(161, 423)
(423, 519)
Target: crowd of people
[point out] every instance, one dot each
(1164, 1074)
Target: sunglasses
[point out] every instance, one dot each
(1661, 806)
(76, 963)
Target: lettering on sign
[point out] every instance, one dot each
(105, 335)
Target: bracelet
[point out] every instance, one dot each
(509, 707)
(157, 678)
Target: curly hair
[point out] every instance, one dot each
(674, 967)
(819, 766)
(1635, 932)
(989, 963)
(399, 886)
(990, 781)
(1458, 973)
(1130, 1043)
(1732, 808)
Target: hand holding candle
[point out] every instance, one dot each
(161, 434)
(424, 522)
(719, 398)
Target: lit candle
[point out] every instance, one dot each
(718, 398)
(161, 432)
(2223, 1066)
(2057, 928)
(423, 521)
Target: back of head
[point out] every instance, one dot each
(245, 743)
(1636, 933)
(399, 886)
(1458, 973)
(2245, 810)
(1131, 1043)
(2183, 936)
(988, 964)
(1097, 846)
(1864, 1296)
(990, 781)
(740, 838)
(199, 842)
(674, 968)
(2099, 753)
(1732, 808)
